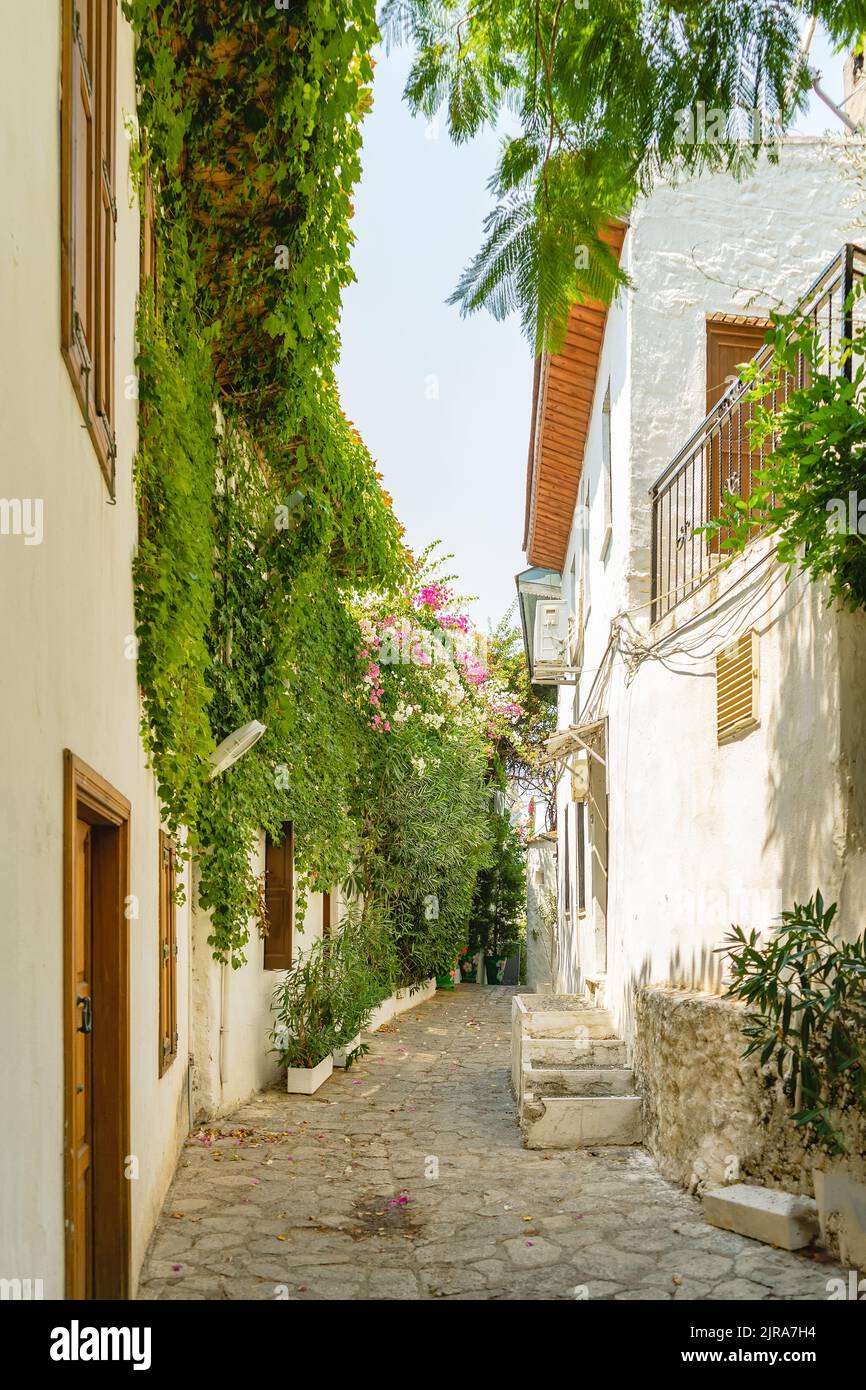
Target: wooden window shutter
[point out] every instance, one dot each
(737, 674)
(167, 952)
(279, 899)
(580, 831)
(89, 215)
(148, 224)
(731, 461)
(566, 867)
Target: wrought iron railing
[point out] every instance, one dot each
(720, 456)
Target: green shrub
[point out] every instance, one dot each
(806, 997)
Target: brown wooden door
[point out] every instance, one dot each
(279, 897)
(98, 1162)
(731, 462)
(81, 1141)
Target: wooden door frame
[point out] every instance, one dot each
(87, 796)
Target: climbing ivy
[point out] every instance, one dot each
(268, 547)
(261, 512)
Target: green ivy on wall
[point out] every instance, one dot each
(260, 508)
(267, 546)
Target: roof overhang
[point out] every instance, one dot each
(562, 400)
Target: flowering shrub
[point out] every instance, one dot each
(427, 690)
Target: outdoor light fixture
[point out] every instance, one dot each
(235, 746)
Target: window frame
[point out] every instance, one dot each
(606, 475)
(88, 327)
(279, 950)
(168, 1030)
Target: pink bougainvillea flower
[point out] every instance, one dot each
(453, 620)
(176, 1269)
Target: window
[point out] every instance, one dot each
(566, 867)
(147, 268)
(585, 600)
(89, 215)
(606, 475)
(167, 952)
(737, 674)
(580, 807)
(326, 914)
(574, 616)
(279, 895)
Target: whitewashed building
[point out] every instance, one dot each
(120, 1029)
(712, 720)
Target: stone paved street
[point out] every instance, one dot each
(328, 1196)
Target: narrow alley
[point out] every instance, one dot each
(404, 1178)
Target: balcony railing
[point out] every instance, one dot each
(720, 456)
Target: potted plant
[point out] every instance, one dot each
(305, 1032)
(445, 980)
(361, 971)
(469, 966)
(494, 968)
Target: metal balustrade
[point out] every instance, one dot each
(720, 456)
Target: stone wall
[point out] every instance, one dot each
(710, 1116)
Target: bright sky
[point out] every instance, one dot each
(443, 403)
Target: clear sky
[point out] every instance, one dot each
(443, 403)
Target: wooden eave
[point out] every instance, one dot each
(562, 401)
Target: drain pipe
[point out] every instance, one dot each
(224, 1026)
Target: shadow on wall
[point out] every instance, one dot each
(805, 810)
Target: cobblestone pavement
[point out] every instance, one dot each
(328, 1197)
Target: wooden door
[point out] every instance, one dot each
(279, 898)
(98, 1163)
(81, 1141)
(597, 817)
(731, 461)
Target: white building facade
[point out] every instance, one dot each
(121, 1031)
(712, 717)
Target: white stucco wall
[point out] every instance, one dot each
(232, 1016)
(66, 614)
(702, 835)
(541, 935)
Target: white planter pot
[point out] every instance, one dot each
(303, 1081)
(341, 1055)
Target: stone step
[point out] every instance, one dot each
(577, 1081)
(576, 1122)
(763, 1213)
(573, 1052)
(569, 1023)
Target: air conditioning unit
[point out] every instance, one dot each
(550, 639)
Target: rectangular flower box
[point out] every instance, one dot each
(341, 1055)
(303, 1081)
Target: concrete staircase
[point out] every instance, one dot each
(570, 1076)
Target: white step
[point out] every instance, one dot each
(763, 1213)
(569, 1023)
(541, 1081)
(574, 1122)
(574, 1052)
